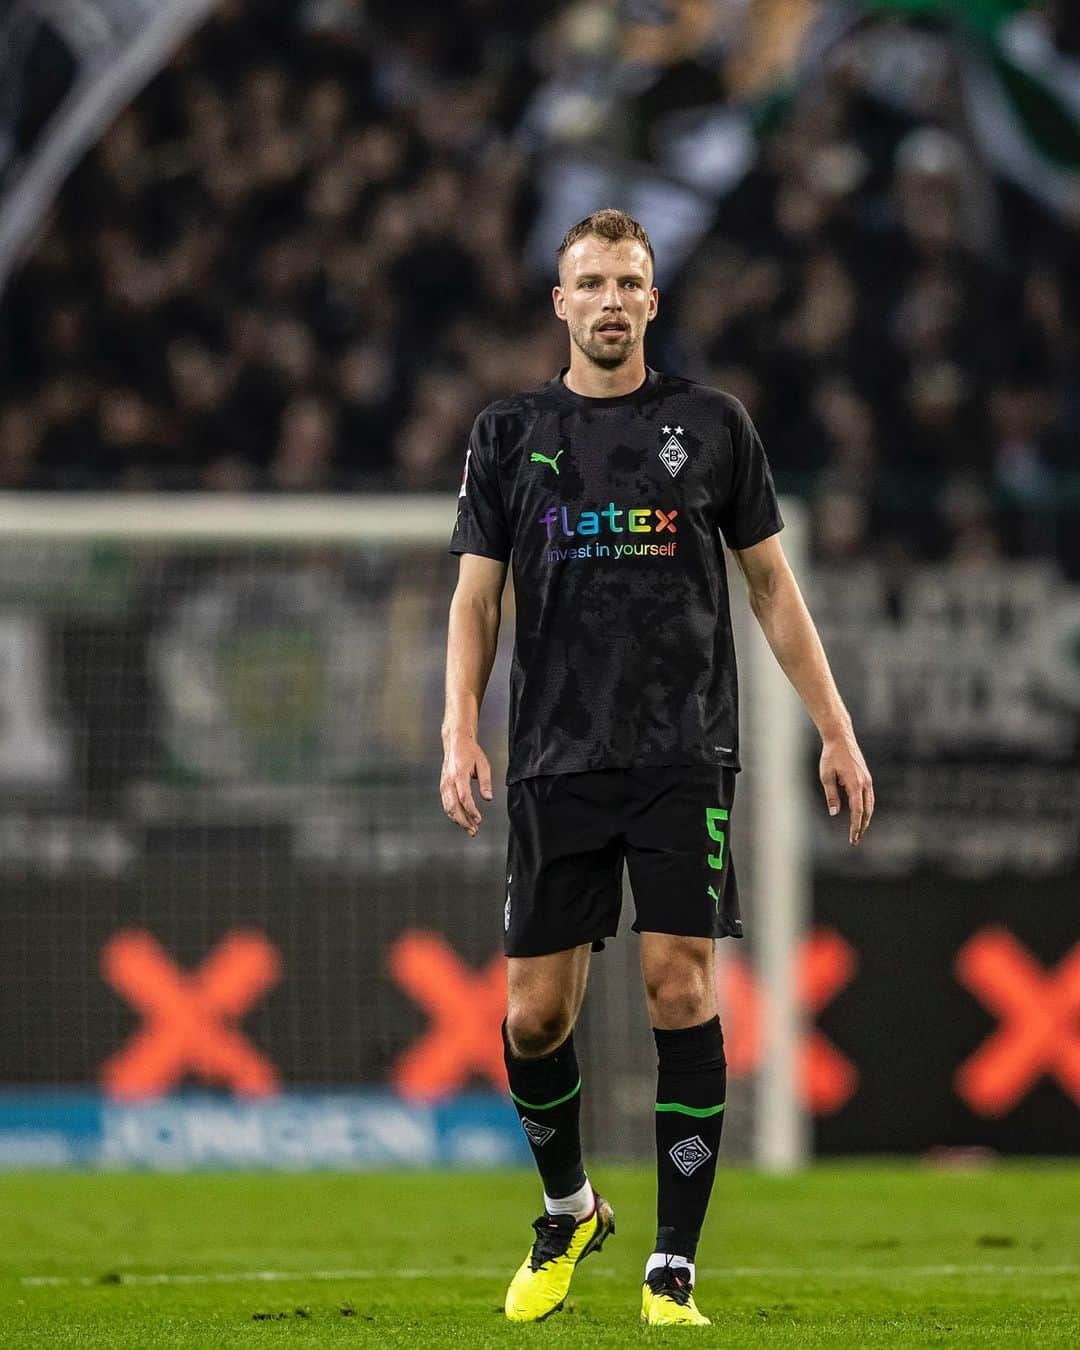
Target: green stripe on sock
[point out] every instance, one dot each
(699, 1111)
(546, 1106)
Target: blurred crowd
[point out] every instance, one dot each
(297, 262)
(919, 385)
(292, 263)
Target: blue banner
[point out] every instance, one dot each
(295, 1131)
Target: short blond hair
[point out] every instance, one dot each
(609, 224)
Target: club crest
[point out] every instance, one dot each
(672, 455)
(689, 1154)
(539, 1134)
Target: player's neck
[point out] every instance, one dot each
(593, 381)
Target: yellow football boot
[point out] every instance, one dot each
(540, 1286)
(667, 1299)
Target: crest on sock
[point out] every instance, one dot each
(538, 1134)
(689, 1154)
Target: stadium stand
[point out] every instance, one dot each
(297, 262)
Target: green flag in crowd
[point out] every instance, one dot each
(1022, 94)
(982, 15)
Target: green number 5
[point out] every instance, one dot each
(713, 815)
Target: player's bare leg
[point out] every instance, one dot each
(544, 996)
(680, 988)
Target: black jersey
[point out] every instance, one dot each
(610, 508)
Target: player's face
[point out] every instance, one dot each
(606, 298)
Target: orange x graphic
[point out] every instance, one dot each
(189, 1016)
(467, 1009)
(740, 1002)
(825, 964)
(1040, 1022)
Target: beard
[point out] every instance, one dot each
(606, 355)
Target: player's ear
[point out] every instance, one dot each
(654, 303)
(558, 299)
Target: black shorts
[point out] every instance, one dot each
(571, 832)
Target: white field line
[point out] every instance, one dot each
(460, 1273)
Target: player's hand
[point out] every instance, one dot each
(463, 760)
(842, 766)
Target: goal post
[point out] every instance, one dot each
(775, 734)
(221, 745)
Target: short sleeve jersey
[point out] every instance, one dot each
(612, 511)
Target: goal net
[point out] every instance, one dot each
(225, 866)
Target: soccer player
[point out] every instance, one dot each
(609, 489)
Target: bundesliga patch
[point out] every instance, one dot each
(539, 1134)
(689, 1154)
(672, 455)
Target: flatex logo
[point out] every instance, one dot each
(616, 520)
(689, 1154)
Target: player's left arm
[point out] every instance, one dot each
(781, 611)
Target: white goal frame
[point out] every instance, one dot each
(774, 722)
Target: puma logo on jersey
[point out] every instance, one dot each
(537, 458)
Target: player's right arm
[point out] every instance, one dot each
(473, 635)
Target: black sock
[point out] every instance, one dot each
(547, 1094)
(690, 1093)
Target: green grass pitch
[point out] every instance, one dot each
(845, 1256)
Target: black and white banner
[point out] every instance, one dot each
(67, 67)
(224, 870)
(965, 690)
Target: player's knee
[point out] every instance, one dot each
(536, 1031)
(680, 995)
